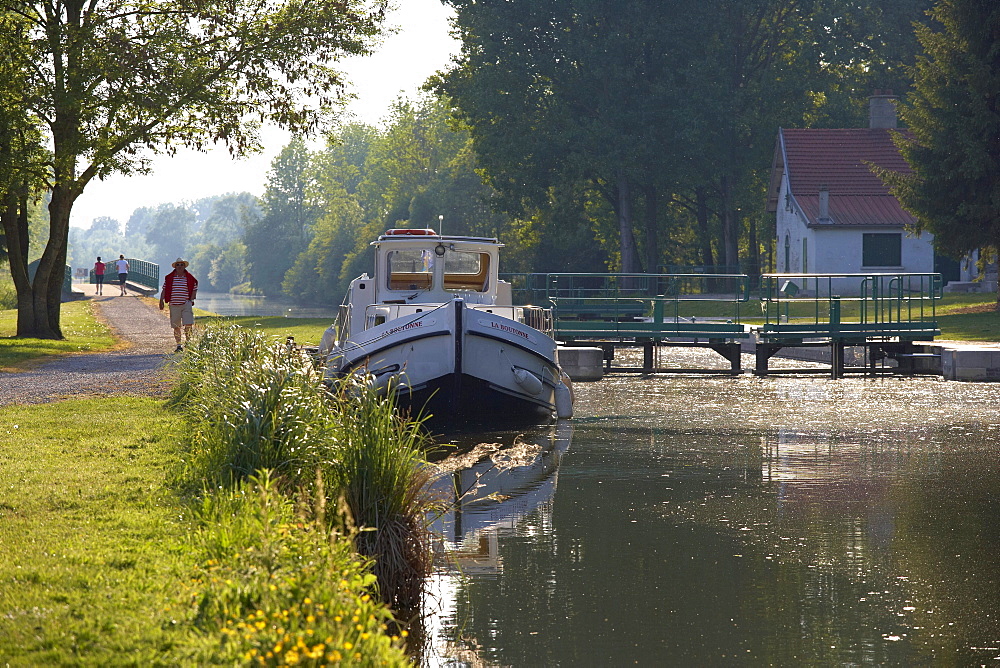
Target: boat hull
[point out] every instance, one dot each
(458, 364)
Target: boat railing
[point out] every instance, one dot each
(538, 318)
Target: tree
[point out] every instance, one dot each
(227, 218)
(274, 240)
(169, 235)
(659, 107)
(107, 80)
(953, 114)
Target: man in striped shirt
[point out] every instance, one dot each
(179, 290)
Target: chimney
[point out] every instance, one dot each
(824, 204)
(882, 109)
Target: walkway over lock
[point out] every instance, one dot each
(886, 314)
(643, 310)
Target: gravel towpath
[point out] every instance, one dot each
(141, 367)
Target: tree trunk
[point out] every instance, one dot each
(701, 212)
(39, 299)
(652, 237)
(996, 257)
(55, 255)
(730, 227)
(753, 261)
(32, 319)
(629, 251)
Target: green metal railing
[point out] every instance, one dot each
(648, 305)
(67, 285)
(140, 272)
(850, 305)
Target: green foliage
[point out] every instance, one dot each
(351, 443)
(274, 240)
(8, 296)
(102, 82)
(659, 117)
(276, 417)
(381, 471)
(279, 587)
(953, 114)
(323, 209)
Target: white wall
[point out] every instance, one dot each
(838, 250)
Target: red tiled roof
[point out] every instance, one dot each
(840, 160)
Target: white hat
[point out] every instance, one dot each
(179, 263)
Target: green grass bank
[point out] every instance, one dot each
(207, 530)
(108, 562)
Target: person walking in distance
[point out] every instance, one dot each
(122, 265)
(99, 275)
(179, 290)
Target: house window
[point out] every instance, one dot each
(805, 256)
(881, 250)
(788, 262)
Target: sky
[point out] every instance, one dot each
(405, 60)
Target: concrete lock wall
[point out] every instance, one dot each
(581, 364)
(970, 363)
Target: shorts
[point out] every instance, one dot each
(122, 277)
(181, 314)
(99, 279)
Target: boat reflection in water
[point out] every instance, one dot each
(490, 490)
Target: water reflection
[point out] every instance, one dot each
(491, 490)
(223, 303)
(705, 521)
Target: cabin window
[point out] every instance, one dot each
(410, 269)
(465, 271)
(881, 250)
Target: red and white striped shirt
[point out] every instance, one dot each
(178, 289)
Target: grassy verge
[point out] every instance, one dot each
(92, 540)
(307, 331)
(106, 563)
(83, 332)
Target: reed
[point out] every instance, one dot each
(382, 472)
(257, 405)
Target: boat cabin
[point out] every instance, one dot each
(417, 269)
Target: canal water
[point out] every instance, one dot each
(223, 303)
(700, 520)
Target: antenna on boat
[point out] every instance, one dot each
(441, 225)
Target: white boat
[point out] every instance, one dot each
(436, 325)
